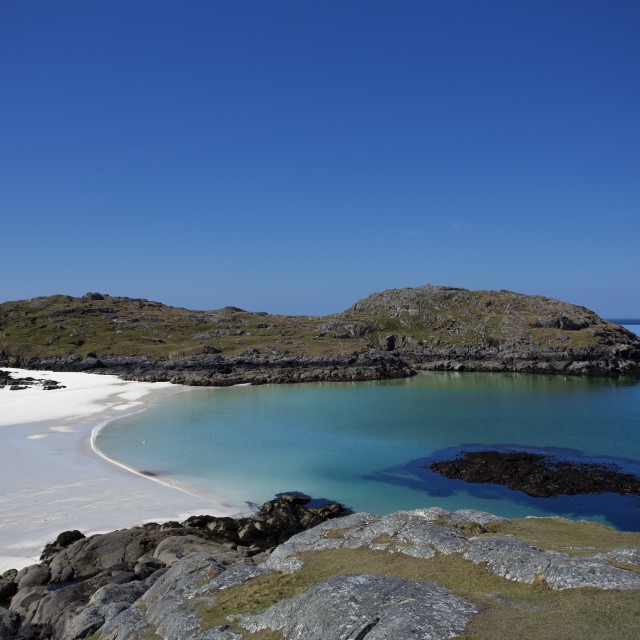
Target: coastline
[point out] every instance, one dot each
(54, 480)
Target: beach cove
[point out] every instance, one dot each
(367, 444)
(52, 479)
(252, 442)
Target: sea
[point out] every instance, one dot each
(368, 445)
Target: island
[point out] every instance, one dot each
(387, 335)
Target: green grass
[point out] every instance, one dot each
(509, 609)
(558, 534)
(63, 326)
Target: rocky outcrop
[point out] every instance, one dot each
(378, 607)
(537, 475)
(423, 532)
(148, 597)
(83, 582)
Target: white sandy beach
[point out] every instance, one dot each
(52, 480)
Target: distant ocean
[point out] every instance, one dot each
(366, 444)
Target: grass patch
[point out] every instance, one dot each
(556, 534)
(509, 609)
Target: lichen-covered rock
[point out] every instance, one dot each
(105, 604)
(414, 533)
(25, 602)
(510, 558)
(127, 625)
(82, 558)
(231, 577)
(380, 607)
(168, 608)
(174, 548)
(623, 555)
(590, 572)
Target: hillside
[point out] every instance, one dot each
(387, 334)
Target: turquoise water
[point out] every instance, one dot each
(364, 444)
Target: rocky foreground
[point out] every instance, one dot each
(386, 335)
(423, 574)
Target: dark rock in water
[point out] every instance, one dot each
(537, 475)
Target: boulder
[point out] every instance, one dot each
(378, 607)
(34, 575)
(174, 548)
(88, 556)
(105, 604)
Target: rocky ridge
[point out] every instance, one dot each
(176, 582)
(389, 334)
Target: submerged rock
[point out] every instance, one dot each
(538, 475)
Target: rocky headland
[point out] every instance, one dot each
(319, 573)
(538, 475)
(387, 335)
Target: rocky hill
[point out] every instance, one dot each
(389, 334)
(412, 575)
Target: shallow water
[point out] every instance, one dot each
(364, 444)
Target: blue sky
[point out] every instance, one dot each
(294, 156)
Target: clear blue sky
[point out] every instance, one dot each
(295, 156)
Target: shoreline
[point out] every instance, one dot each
(55, 480)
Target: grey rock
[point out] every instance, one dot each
(589, 572)
(26, 600)
(167, 608)
(624, 555)
(222, 632)
(510, 558)
(166, 603)
(105, 604)
(129, 624)
(190, 573)
(380, 607)
(410, 532)
(32, 576)
(236, 575)
(467, 516)
(180, 624)
(12, 628)
(174, 548)
(88, 555)
(55, 610)
(9, 624)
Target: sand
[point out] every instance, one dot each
(53, 481)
